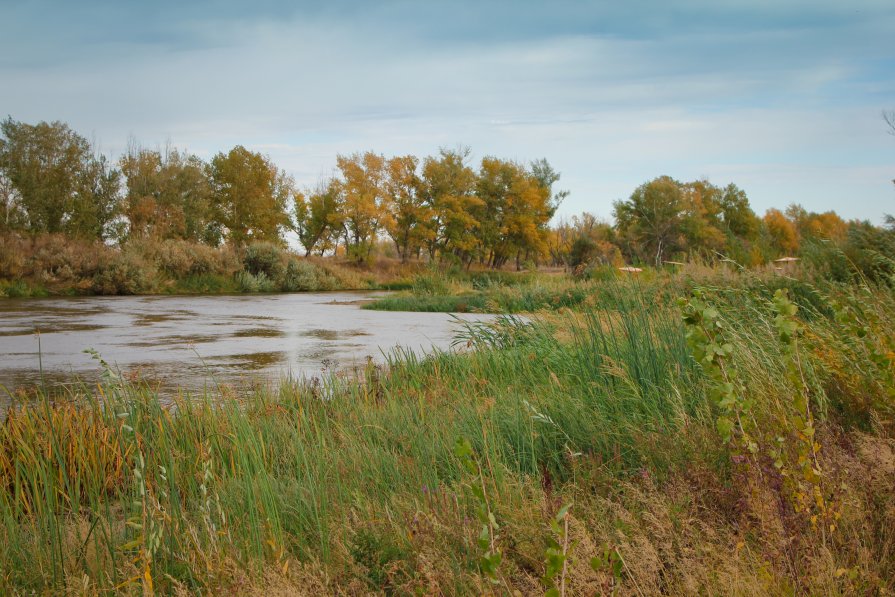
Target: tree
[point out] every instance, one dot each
(650, 221)
(700, 220)
(361, 201)
(54, 182)
(817, 226)
(515, 208)
(736, 214)
(168, 195)
(11, 216)
(448, 186)
(594, 242)
(405, 211)
(97, 201)
(316, 216)
(250, 196)
(544, 173)
(782, 233)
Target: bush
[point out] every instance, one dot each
(125, 273)
(302, 275)
(181, 258)
(13, 249)
(246, 282)
(56, 258)
(264, 258)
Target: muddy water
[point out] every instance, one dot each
(184, 342)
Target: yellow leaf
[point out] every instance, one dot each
(147, 580)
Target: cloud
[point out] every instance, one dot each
(611, 93)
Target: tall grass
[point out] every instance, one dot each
(353, 485)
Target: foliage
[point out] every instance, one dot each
(317, 218)
(250, 196)
(123, 273)
(490, 558)
(54, 183)
(168, 196)
(357, 485)
(438, 210)
(263, 258)
(651, 219)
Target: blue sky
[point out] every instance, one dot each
(782, 98)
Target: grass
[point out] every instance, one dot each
(341, 486)
(21, 289)
(485, 292)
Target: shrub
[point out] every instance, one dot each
(181, 258)
(299, 275)
(246, 282)
(264, 258)
(13, 249)
(56, 258)
(124, 273)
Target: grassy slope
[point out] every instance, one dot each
(603, 409)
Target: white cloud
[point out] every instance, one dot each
(788, 112)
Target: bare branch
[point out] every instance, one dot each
(889, 117)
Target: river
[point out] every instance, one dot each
(190, 341)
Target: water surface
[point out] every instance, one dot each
(188, 341)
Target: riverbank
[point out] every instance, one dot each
(587, 450)
(55, 265)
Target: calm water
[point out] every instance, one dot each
(180, 341)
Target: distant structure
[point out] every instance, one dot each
(785, 263)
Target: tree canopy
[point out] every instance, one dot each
(438, 207)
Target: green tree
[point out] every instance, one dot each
(11, 216)
(741, 226)
(700, 221)
(54, 181)
(544, 173)
(649, 223)
(316, 216)
(250, 196)
(737, 215)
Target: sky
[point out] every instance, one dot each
(782, 98)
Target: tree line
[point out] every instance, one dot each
(52, 181)
(437, 208)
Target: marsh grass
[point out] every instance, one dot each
(354, 485)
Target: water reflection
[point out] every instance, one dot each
(181, 342)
